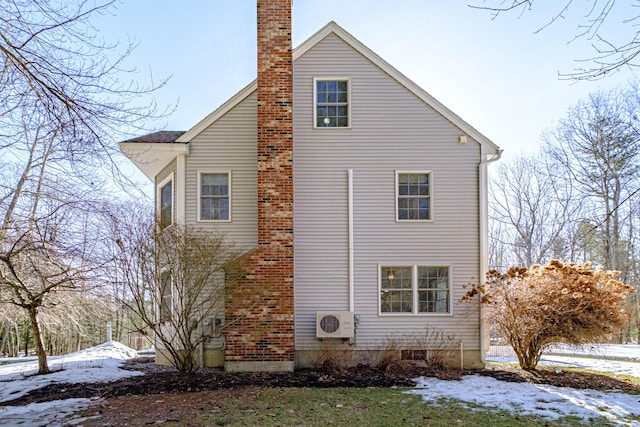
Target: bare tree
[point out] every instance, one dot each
(40, 260)
(176, 281)
(530, 210)
(597, 146)
(54, 65)
(610, 53)
(63, 105)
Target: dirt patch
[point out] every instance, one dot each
(163, 395)
(159, 380)
(561, 378)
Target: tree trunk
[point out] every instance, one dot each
(16, 347)
(26, 342)
(43, 367)
(5, 336)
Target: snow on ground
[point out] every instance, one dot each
(96, 364)
(101, 364)
(549, 401)
(534, 399)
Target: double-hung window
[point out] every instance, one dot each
(415, 289)
(413, 196)
(331, 103)
(214, 196)
(165, 309)
(165, 203)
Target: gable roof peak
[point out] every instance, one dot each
(333, 28)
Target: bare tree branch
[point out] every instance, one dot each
(610, 56)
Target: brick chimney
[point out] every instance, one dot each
(262, 338)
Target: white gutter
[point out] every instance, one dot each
(483, 195)
(351, 261)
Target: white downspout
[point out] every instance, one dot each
(351, 262)
(483, 195)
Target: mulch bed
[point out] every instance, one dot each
(162, 380)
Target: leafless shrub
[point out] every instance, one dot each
(438, 349)
(332, 356)
(175, 279)
(430, 348)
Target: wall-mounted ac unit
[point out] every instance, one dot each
(334, 324)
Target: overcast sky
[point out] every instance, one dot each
(494, 73)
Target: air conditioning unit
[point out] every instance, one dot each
(334, 324)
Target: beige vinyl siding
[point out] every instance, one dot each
(229, 144)
(391, 130)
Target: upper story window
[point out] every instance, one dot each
(413, 196)
(214, 197)
(331, 103)
(165, 203)
(414, 289)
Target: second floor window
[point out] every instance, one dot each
(413, 196)
(332, 103)
(166, 204)
(214, 196)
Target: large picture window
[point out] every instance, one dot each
(414, 289)
(413, 196)
(215, 196)
(331, 103)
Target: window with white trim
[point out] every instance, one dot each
(165, 203)
(331, 99)
(415, 289)
(413, 196)
(166, 297)
(214, 196)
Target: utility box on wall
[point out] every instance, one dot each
(334, 324)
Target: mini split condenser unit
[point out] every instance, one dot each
(334, 324)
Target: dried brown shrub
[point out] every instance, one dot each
(558, 302)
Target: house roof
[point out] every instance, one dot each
(151, 153)
(165, 136)
(488, 146)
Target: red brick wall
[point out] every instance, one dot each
(263, 325)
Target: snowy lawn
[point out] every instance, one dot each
(96, 364)
(549, 401)
(101, 364)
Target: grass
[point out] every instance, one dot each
(352, 407)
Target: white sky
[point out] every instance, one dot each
(102, 364)
(496, 74)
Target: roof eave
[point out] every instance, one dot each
(152, 157)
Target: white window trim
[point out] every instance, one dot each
(431, 206)
(170, 178)
(414, 290)
(200, 172)
(315, 100)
